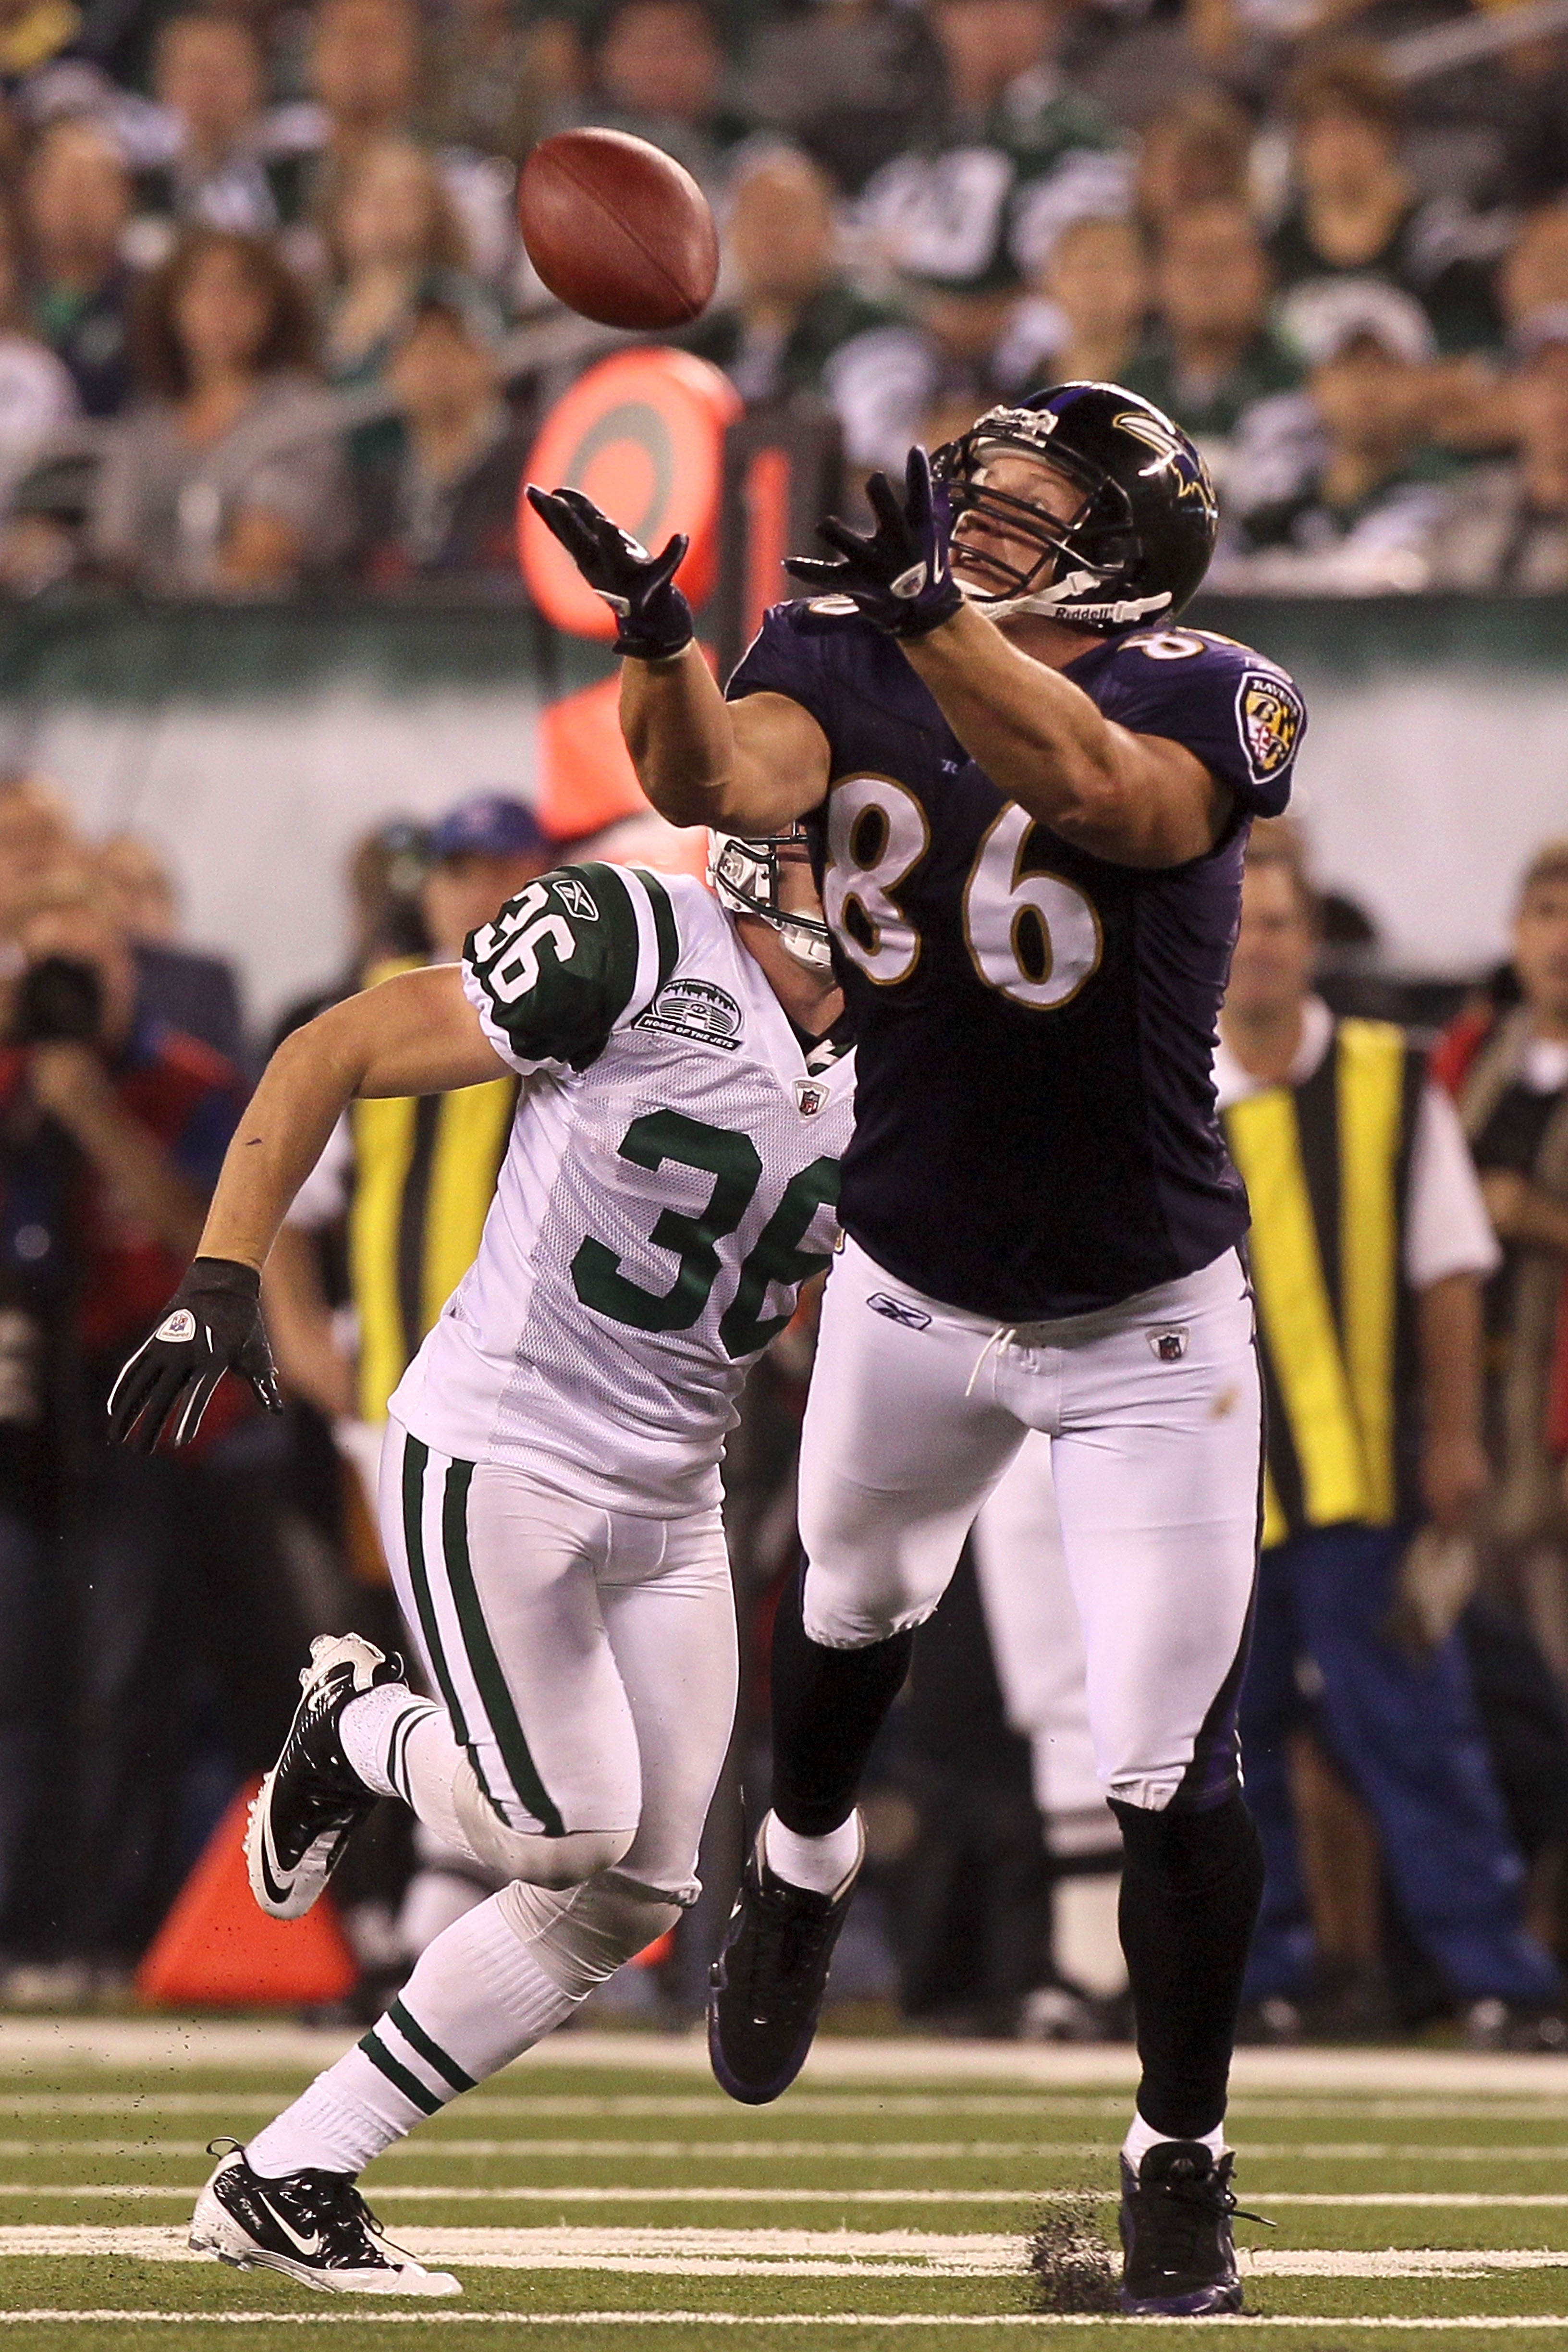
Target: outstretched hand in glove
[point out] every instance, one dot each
(898, 574)
(653, 619)
(211, 1326)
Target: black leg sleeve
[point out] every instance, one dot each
(1190, 1886)
(828, 1707)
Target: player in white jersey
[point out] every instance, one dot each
(550, 1480)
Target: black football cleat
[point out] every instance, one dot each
(312, 1800)
(1178, 2254)
(766, 1986)
(312, 2226)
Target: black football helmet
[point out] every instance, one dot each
(1137, 547)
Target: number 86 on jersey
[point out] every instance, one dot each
(1034, 937)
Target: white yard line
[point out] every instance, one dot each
(780, 2253)
(663, 2151)
(31, 2044)
(1028, 2105)
(946, 2322)
(991, 2250)
(435, 2145)
(393, 2192)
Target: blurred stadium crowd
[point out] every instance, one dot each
(265, 320)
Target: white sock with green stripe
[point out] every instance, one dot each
(402, 1746)
(477, 2000)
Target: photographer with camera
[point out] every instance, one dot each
(112, 1129)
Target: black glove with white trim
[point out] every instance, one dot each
(899, 574)
(653, 619)
(211, 1326)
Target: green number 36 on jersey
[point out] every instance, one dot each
(735, 1165)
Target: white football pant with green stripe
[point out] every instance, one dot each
(585, 1661)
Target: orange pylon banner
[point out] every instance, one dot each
(217, 1950)
(642, 433)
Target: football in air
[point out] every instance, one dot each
(618, 230)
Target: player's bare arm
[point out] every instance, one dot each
(1137, 800)
(747, 767)
(702, 760)
(414, 1034)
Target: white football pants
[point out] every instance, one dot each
(587, 1659)
(1155, 1411)
(1037, 1644)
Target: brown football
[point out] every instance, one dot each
(618, 230)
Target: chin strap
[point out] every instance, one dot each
(1054, 604)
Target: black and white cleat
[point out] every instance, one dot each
(312, 1800)
(312, 2226)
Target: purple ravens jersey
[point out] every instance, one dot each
(1034, 1129)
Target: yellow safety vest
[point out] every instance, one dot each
(1325, 1165)
(425, 1173)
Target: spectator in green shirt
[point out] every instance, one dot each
(796, 325)
(972, 216)
(1213, 351)
(658, 72)
(77, 202)
(1085, 324)
(1359, 215)
(1336, 490)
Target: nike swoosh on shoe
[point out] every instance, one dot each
(307, 2246)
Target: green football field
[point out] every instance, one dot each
(606, 2195)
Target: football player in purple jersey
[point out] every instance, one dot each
(1028, 792)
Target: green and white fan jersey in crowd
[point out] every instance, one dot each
(669, 1183)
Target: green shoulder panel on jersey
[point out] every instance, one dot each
(569, 961)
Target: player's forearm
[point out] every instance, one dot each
(681, 737)
(1038, 738)
(1132, 799)
(304, 1090)
(414, 1034)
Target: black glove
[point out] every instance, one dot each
(653, 619)
(211, 1326)
(899, 575)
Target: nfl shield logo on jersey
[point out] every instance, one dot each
(810, 1094)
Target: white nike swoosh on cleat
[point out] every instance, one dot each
(271, 1885)
(307, 2246)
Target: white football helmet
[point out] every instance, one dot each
(744, 870)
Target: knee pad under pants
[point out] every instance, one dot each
(527, 1855)
(582, 1938)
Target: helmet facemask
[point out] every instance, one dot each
(1077, 564)
(746, 871)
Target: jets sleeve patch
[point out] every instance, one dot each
(567, 963)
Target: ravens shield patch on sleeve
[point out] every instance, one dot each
(1271, 716)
